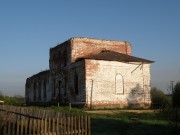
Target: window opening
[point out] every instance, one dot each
(44, 89)
(65, 88)
(54, 61)
(59, 58)
(76, 83)
(119, 84)
(39, 92)
(59, 87)
(34, 91)
(64, 58)
(54, 87)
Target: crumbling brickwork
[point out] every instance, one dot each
(92, 73)
(84, 46)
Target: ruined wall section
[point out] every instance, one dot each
(85, 46)
(117, 84)
(76, 83)
(60, 56)
(58, 85)
(66, 79)
(37, 87)
(59, 61)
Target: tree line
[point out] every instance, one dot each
(169, 106)
(161, 100)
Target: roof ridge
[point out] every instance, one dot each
(115, 56)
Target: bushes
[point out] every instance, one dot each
(169, 105)
(15, 100)
(159, 99)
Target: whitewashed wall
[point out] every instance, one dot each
(103, 89)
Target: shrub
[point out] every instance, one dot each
(159, 99)
(176, 96)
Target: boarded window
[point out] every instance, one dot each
(119, 84)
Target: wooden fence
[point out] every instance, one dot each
(23, 121)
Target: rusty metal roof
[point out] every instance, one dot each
(115, 56)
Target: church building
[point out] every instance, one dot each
(92, 73)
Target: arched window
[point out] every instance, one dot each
(44, 86)
(76, 85)
(64, 58)
(54, 88)
(34, 92)
(119, 82)
(59, 59)
(54, 60)
(39, 92)
(59, 87)
(65, 92)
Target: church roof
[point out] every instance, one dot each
(115, 56)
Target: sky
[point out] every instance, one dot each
(29, 28)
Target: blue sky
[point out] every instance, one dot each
(28, 28)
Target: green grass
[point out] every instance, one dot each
(63, 109)
(129, 124)
(124, 123)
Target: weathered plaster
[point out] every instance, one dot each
(101, 83)
(90, 83)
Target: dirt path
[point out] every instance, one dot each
(120, 111)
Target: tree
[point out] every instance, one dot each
(176, 96)
(158, 98)
(1, 95)
(176, 105)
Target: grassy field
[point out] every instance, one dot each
(125, 123)
(129, 124)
